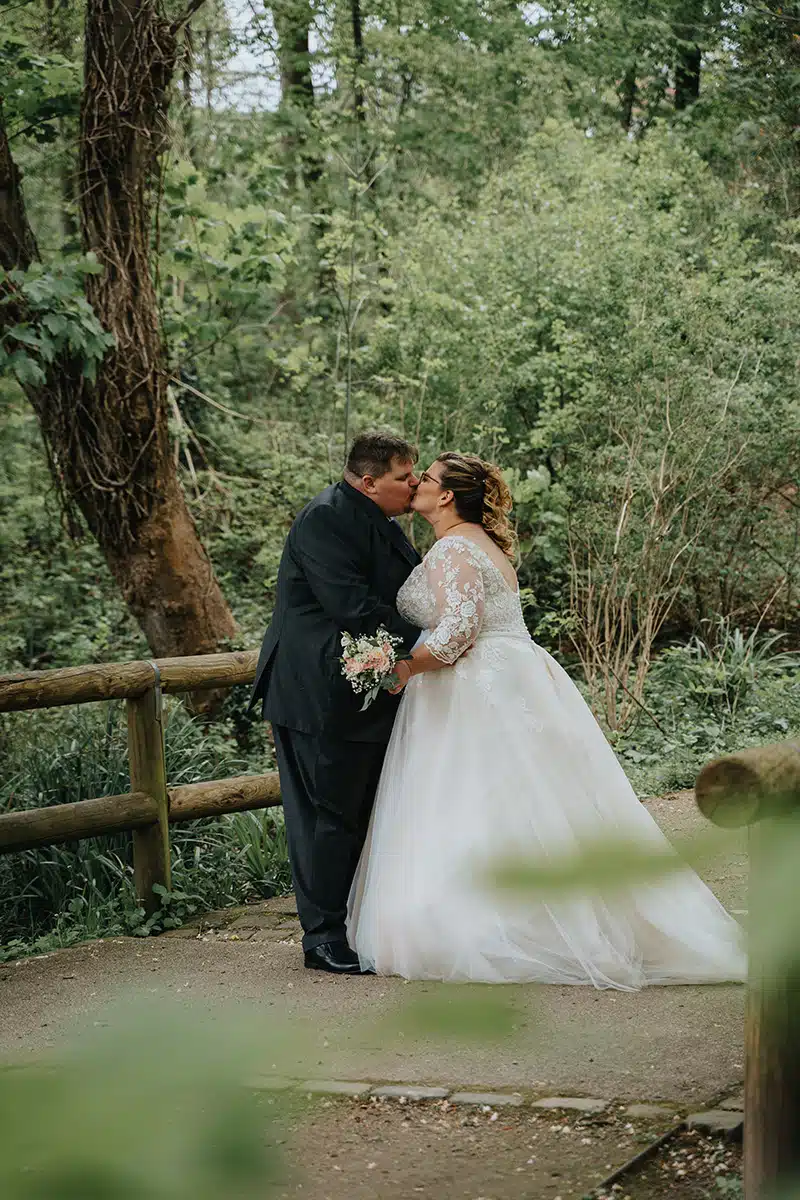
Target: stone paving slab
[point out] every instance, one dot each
(259, 920)
(335, 1087)
(716, 1120)
(271, 1083)
(572, 1104)
(404, 1091)
(725, 1116)
(487, 1099)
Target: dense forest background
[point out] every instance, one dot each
(565, 237)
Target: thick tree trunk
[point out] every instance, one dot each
(17, 243)
(108, 441)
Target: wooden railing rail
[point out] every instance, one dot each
(34, 827)
(760, 788)
(124, 681)
(151, 806)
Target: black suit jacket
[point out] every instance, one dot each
(341, 569)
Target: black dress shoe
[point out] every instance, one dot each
(336, 957)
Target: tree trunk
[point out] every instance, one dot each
(358, 60)
(17, 244)
(107, 442)
(293, 23)
(627, 97)
(689, 32)
(70, 228)
(300, 139)
(687, 77)
(58, 24)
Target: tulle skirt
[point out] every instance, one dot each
(499, 758)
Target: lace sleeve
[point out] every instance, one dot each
(455, 581)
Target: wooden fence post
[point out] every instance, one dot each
(149, 774)
(772, 1041)
(760, 787)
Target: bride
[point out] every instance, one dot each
(494, 755)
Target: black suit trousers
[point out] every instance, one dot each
(328, 788)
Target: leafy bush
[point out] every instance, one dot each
(605, 325)
(721, 673)
(706, 699)
(59, 320)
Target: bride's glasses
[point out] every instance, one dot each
(430, 479)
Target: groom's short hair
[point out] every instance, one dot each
(372, 452)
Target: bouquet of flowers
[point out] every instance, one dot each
(368, 663)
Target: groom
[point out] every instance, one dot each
(343, 563)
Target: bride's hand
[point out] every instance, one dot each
(403, 672)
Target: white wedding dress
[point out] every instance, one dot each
(499, 756)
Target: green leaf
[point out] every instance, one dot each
(56, 323)
(47, 348)
(24, 334)
(26, 369)
(89, 264)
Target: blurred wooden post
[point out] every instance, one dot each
(763, 785)
(772, 1043)
(149, 774)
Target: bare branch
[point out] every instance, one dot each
(191, 8)
(231, 412)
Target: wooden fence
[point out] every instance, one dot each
(760, 788)
(152, 805)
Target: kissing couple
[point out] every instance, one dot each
(485, 751)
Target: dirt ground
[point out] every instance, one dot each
(693, 1167)
(355, 1150)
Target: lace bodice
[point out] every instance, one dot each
(458, 593)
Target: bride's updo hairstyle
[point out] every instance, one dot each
(481, 496)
